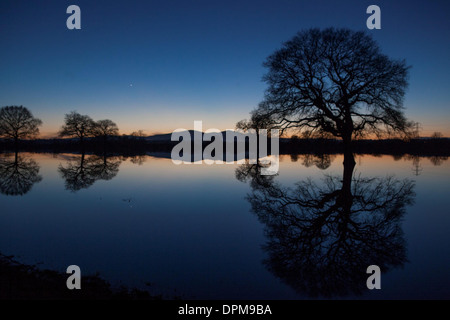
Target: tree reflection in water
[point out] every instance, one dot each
(321, 161)
(81, 172)
(18, 174)
(322, 237)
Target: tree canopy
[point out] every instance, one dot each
(106, 128)
(17, 122)
(335, 81)
(77, 125)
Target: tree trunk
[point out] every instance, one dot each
(16, 144)
(349, 165)
(346, 196)
(257, 146)
(82, 161)
(349, 159)
(82, 144)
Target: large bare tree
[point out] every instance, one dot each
(335, 81)
(17, 122)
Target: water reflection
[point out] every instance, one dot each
(322, 161)
(136, 159)
(437, 161)
(321, 237)
(252, 173)
(81, 172)
(18, 174)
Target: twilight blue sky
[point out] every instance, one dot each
(160, 65)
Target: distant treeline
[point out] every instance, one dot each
(126, 145)
(132, 145)
(420, 147)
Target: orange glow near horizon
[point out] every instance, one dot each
(165, 123)
(54, 133)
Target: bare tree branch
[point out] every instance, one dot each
(335, 81)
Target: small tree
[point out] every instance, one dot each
(436, 135)
(17, 122)
(138, 134)
(77, 125)
(257, 121)
(105, 128)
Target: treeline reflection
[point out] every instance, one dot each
(19, 171)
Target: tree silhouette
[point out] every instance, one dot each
(18, 175)
(17, 122)
(77, 125)
(138, 134)
(82, 172)
(335, 81)
(256, 122)
(437, 135)
(321, 238)
(105, 128)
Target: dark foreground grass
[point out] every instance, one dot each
(20, 281)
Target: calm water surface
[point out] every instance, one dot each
(223, 232)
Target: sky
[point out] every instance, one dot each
(159, 65)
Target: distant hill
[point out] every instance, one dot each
(132, 145)
(167, 136)
(159, 137)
